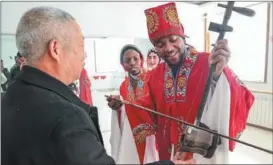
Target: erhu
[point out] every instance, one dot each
(196, 140)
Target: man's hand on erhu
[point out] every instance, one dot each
(220, 55)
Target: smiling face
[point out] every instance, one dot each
(152, 60)
(170, 48)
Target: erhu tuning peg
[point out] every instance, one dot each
(215, 27)
(241, 10)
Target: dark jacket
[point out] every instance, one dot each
(44, 123)
(13, 72)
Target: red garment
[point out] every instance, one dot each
(162, 21)
(141, 122)
(192, 49)
(180, 97)
(85, 88)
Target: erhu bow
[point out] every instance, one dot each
(196, 140)
(191, 125)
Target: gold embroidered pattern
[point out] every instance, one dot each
(175, 88)
(161, 33)
(169, 83)
(152, 21)
(138, 92)
(134, 95)
(141, 131)
(181, 82)
(183, 73)
(169, 87)
(170, 15)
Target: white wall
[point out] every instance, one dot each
(212, 10)
(107, 19)
(126, 19)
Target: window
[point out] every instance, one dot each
(247, 43)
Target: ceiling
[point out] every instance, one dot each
(198, 2)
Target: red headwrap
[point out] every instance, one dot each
(163, 20)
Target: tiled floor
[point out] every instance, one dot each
(241, 155)
(246, 155)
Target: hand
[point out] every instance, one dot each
(178, 159)
(219, 55)
(113, 103)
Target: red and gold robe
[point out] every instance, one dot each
(135, 125)
(85, 88)
(180, 97)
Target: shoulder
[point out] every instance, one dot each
(45, 108)
(232, 77)
(153, 73)
(147, 75)
(201, 60)
(124, 82)
(31, 96)
(202, 56)
(70, 115)
(64, 118)
(123, 86)
(62, 109)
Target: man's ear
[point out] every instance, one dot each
(54, 49)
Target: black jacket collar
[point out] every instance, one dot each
(43, 80)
